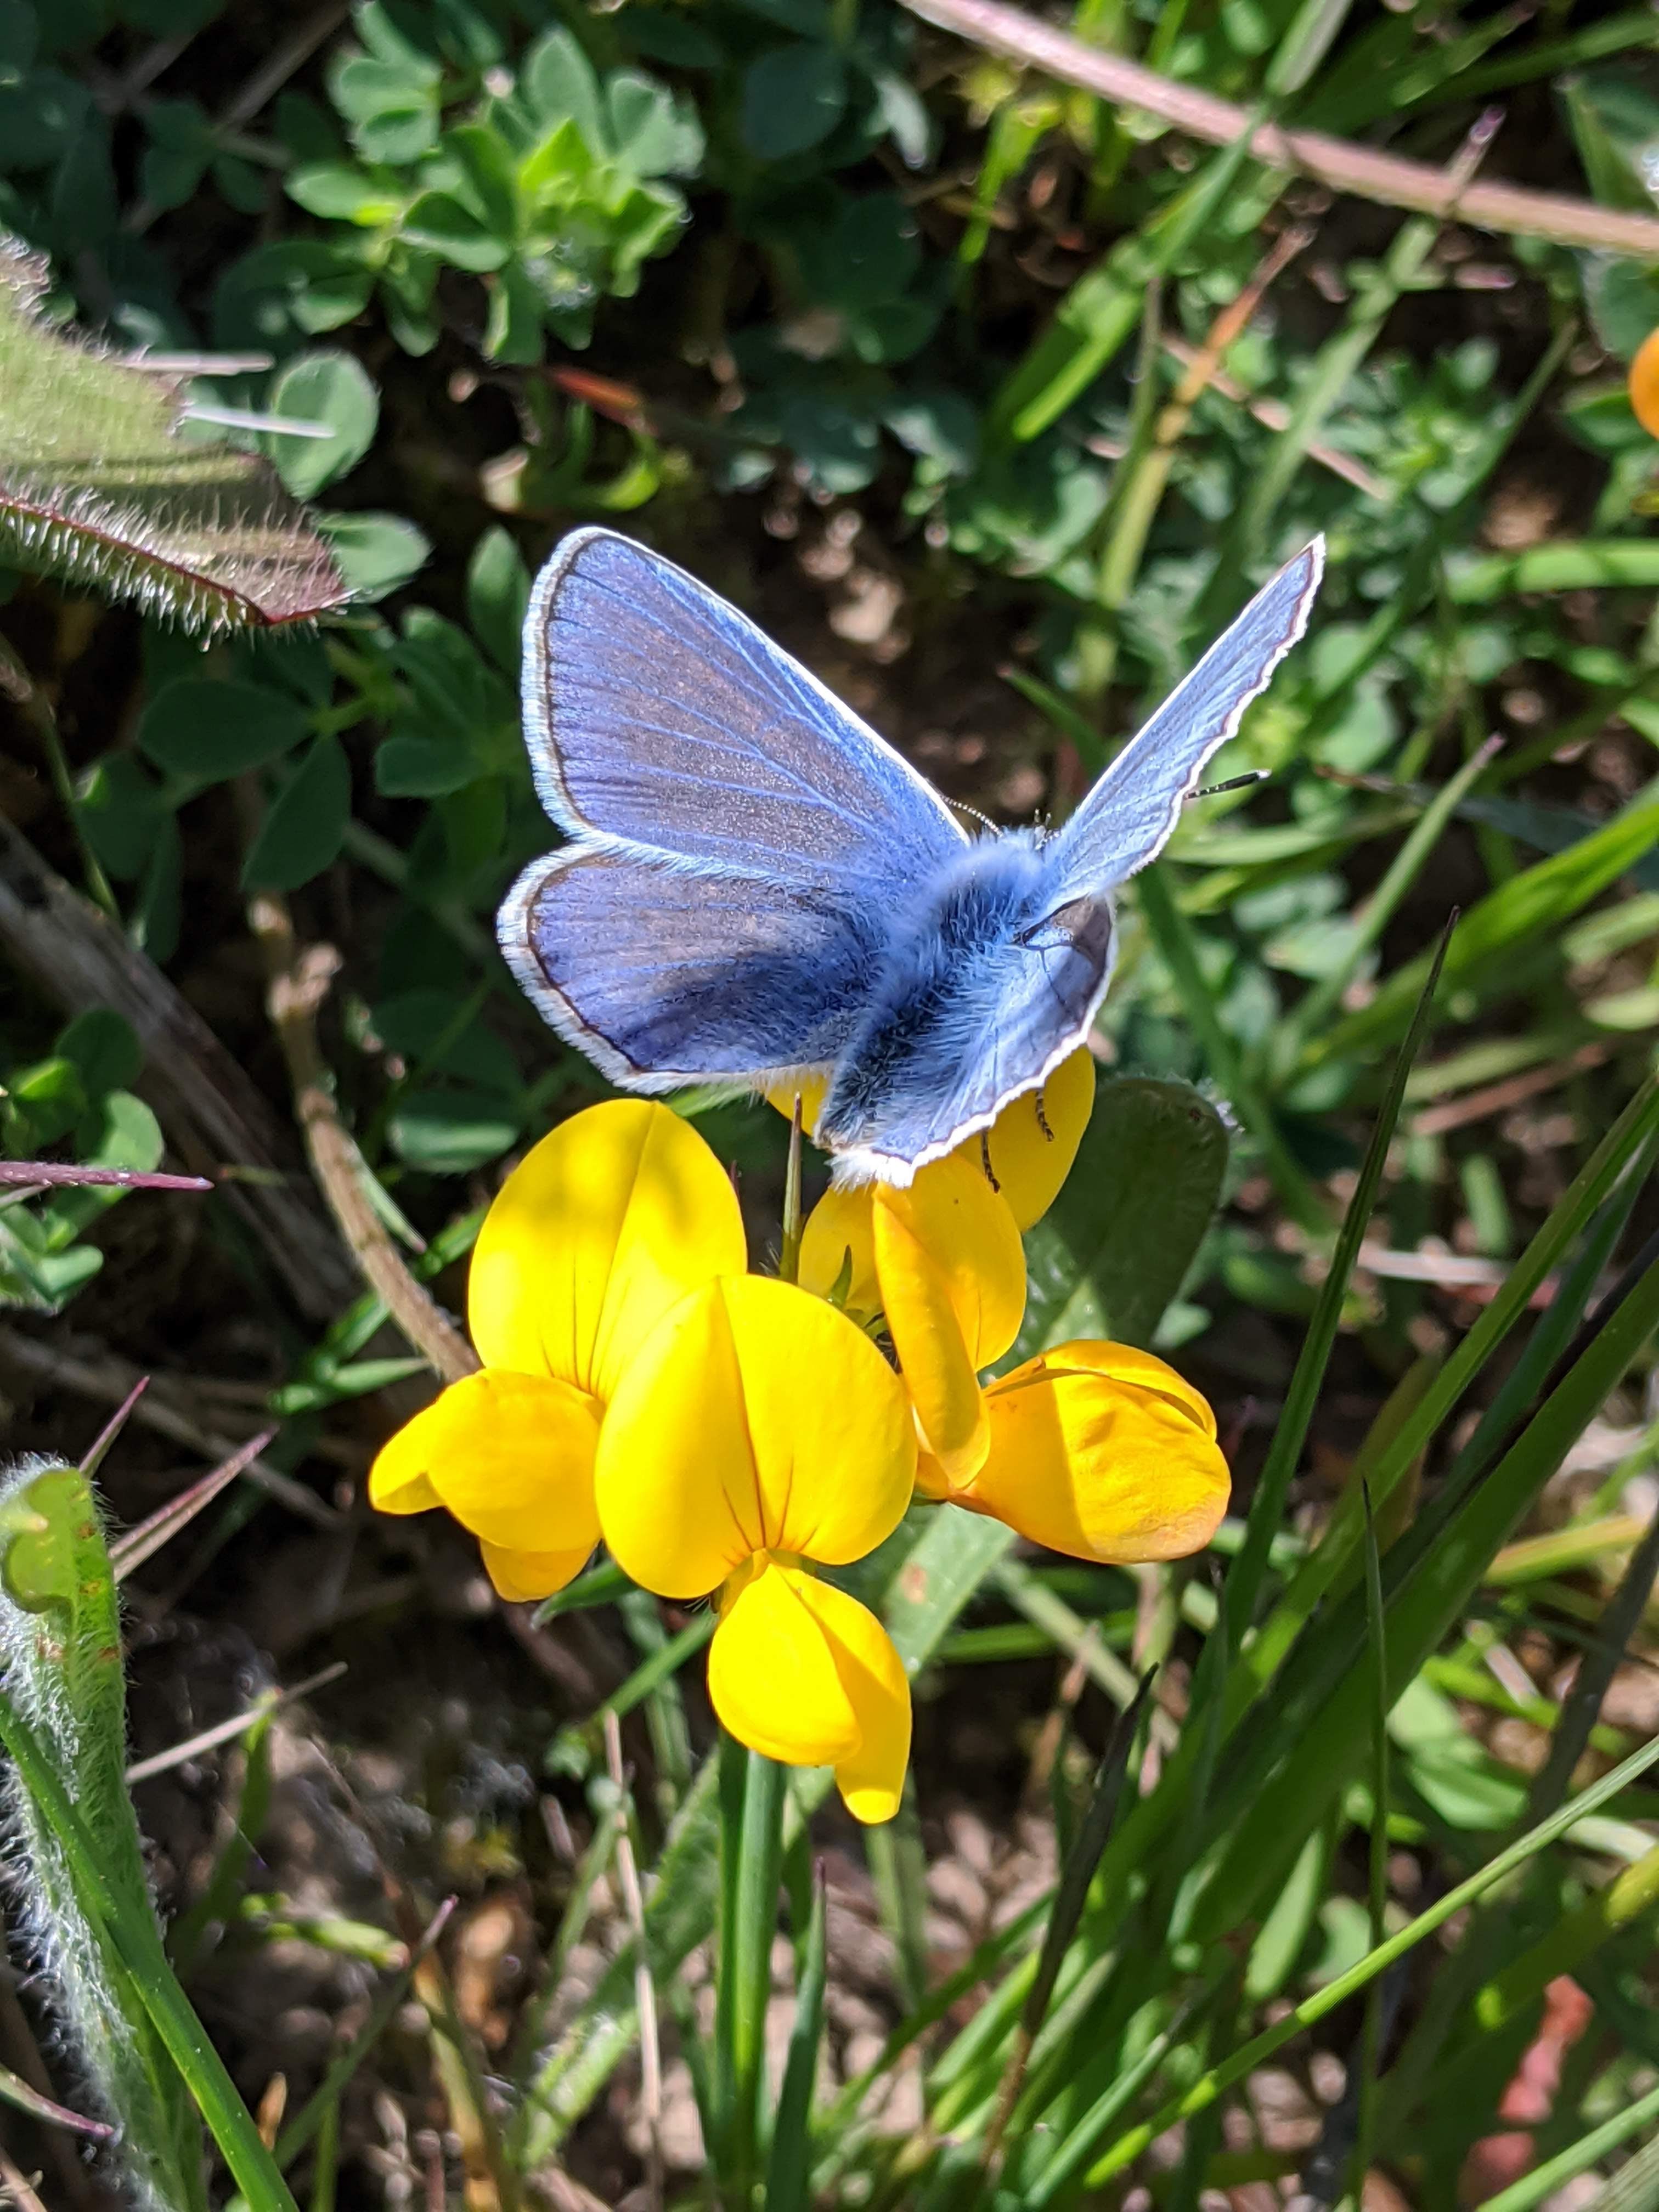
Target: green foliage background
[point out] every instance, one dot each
(855, 321)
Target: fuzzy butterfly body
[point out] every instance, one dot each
(757, 886)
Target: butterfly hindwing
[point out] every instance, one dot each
(664, 977)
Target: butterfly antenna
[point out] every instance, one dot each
(961, 806)
(1233, 783)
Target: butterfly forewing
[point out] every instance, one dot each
(1127, 818)
(660, 716)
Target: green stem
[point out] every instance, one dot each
(36, 710)
(752, 1794)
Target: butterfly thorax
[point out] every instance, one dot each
(979, 936)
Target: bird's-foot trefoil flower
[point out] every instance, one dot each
(942, 1259)
(601, 1230)
(758, 1433)
(1099, 1450)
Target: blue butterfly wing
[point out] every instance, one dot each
(663, 976)
(658, 715)
(1126, 819)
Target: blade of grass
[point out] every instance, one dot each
(1249, 1571)
(1370, 2047)
(1071, 1893)
(1317, 1721)
(1529, 907)
(1322, 998)
(1544, 2180)
(299, 2133)
(788, 2174)
(1244, 2061)
(1171, 934)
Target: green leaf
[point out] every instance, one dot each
(651, 132)
(377, 554)
(329, 388)
(390, 107)
(336, 189)
(304, 830)
(451, 1128)
(63, 1716)
(557, 82)
(1114, 1247)
(438, 222)
(210, 728)
(793, 98)
(498, 597)
(104, 1048)
(121, 807)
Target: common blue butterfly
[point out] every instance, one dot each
(757, 886)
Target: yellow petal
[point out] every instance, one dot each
(952, 1275)
(398, 1481)
(512, 1457)
(598, 1230)
(838, 1231)
(810, 1084)
(523, 1576)
(756, 1418)
(1033, 1142)
(802, 1673)
(1104, 1452)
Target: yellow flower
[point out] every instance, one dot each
(1029, 1148)
(1099, 1450)
(1033, 1142)
(756, 1431)
(601, 1230)
(952, 1275)
(943, 1260)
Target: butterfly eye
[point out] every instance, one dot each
(1082, 925)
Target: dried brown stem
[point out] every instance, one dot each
(299, 977)
(205, 1101)
(1346, 167)
(108, 1381)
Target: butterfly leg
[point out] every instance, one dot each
(1043, 1119)
(985, 1159)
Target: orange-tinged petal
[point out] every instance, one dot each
(1101, 1451)
(952, 1275)
(523, 1576)
(601, 1228)
(839, 1234)
(811, 1085)
(756, 1418)
(1644, 383)
(967, 1238)
(512, 1457)
(1033, 1142)
(802, 1673)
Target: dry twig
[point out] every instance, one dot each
(1346, 167)
(299, 980)
(203, 1098)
